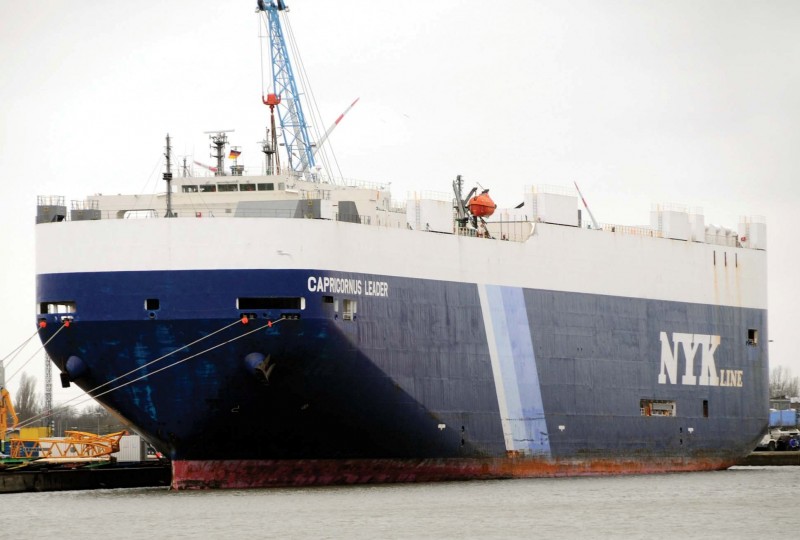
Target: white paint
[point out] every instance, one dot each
(556, 257)
(497, 374)
(691, 343)
(345, 285)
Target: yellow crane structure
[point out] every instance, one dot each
(75, 446)
(6, 409)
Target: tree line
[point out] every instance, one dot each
(782, 384)
(29, 404)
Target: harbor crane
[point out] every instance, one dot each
(285, 99)
(299, 148)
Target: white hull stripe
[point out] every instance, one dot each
(514, 368)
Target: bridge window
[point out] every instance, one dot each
(208, 188)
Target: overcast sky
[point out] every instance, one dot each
(639, 101)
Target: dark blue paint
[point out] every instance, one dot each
(382, 384)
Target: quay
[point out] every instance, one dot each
(159, 474)
(761, 459)
(62, 478)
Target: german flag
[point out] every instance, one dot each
(234, 154)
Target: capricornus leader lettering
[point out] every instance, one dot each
(335, 285)
(707, 375)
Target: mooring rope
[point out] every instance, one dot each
(65, 324)
(18, 349)
(92, 397)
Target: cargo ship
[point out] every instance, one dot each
(282, 328)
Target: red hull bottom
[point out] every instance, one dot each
(244, 474)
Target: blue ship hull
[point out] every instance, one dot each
(408, 375)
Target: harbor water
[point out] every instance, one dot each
(743, 502)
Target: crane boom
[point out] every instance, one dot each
(293, 123)
(591, 216)
(333, 126)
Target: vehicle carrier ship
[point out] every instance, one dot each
(281, 328)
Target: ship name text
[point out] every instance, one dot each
(691, 344)
(335, 285)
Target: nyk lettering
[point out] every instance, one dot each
(691, 344)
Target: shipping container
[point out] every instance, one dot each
(785, 418)
(131, 448)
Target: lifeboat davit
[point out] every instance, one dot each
(482, 205)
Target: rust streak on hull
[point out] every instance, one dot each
(245, 474)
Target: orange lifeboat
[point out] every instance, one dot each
(482, 205)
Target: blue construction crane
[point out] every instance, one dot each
(299, 150)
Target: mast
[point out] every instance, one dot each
(298, 145)
(270, 145)
(219, 140)
(168, 179)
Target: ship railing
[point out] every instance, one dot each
(354, 218)
(50, 200)
(260, 213)
(219, 212)
(244, 171)
(201, 172)
(512, 231)
(429, 195)
(629, 229)
(721, 239)
(727, 240)
(273, 213)
(364, 184)
(88, 204)
(97, 214)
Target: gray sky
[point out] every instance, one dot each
(638, 101)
